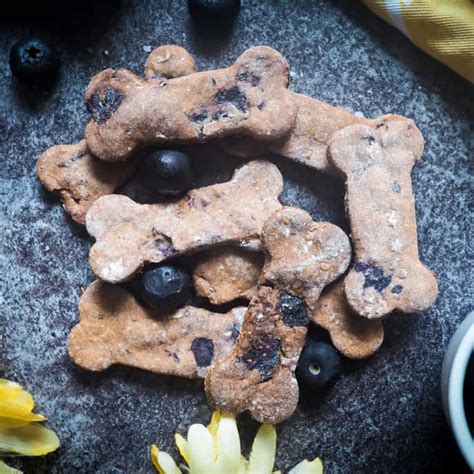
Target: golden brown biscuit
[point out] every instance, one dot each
(129, 113)
(79, 178)
(387, 273)
(302, 257)
(128, 235)
(227, 273)
(115, 329)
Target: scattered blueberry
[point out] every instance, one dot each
(171, 171)
(214, 14)
(34, 62)
(319, 365)
(164, 287)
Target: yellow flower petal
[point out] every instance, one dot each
(6, 469)
(182, 446)
(228, 445)
(308, 467)
(9, 385)
(162, 461)
(212, 428)
(29, 440)
(262, 456)
(200, 450)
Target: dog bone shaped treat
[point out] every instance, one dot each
(79, 178)
(227, 273)
(307, 142)
(356, 337)
(302, 256)
(129, 235)
(115, 329)
(387, 273)
(129, 113)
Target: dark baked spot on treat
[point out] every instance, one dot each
(260, 105)
(214, 83)
(102, 106)
(200, 116)
(397, 289)
(381, 124)
(203, 351)
(263, 356)
(163, 243)
(235, 331)
(395, 186)
(294, 310)
(173, 355)
(369, 138)
(247, 76)
(374, 276)
(233, 96)
(216, 238)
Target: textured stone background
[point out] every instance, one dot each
(384, 415)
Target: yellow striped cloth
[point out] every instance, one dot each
(442, 28)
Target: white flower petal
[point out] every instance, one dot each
(200, 450)
(308, 467)
(262, 457)
(167, 463)
(228, 445)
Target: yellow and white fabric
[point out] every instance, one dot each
(442, 28)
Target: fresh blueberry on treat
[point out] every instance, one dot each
(214, 13)
(319, 365)
(164, 287)
(171, 170)
(34, 62)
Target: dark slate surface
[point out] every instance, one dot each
(384, 415)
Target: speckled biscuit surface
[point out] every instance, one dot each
(302, 256)
(387, 274)
(307, 142)
(115, 329)
(227, 273)
(79, 178)
(168, 62)
(129, 113)
(129, 235)
(356, 337)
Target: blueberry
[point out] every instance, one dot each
(319, 365)
(214, 14)
(163, 287)
(171, 171)
(34, 62)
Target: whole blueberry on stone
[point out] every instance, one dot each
(164, 287)
(171, 172)
(319, 365)
(214, 14)
(34, 62)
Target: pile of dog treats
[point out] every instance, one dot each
(291, 269)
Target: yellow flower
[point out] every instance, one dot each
(216, 450)
(20, 432)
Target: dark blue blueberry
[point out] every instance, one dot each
(374, 277)
(170, 170)
(319, 365)
(397, 289)
(164, 287)
(34, 62)
(214, 14)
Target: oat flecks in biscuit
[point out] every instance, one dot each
(115, 329)
(302, 257)
(248, 98)
(307, 142)
(79, 178)
(129, 235)
(168, 62)
(226, 274)
(387, 273)
(356, 337)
